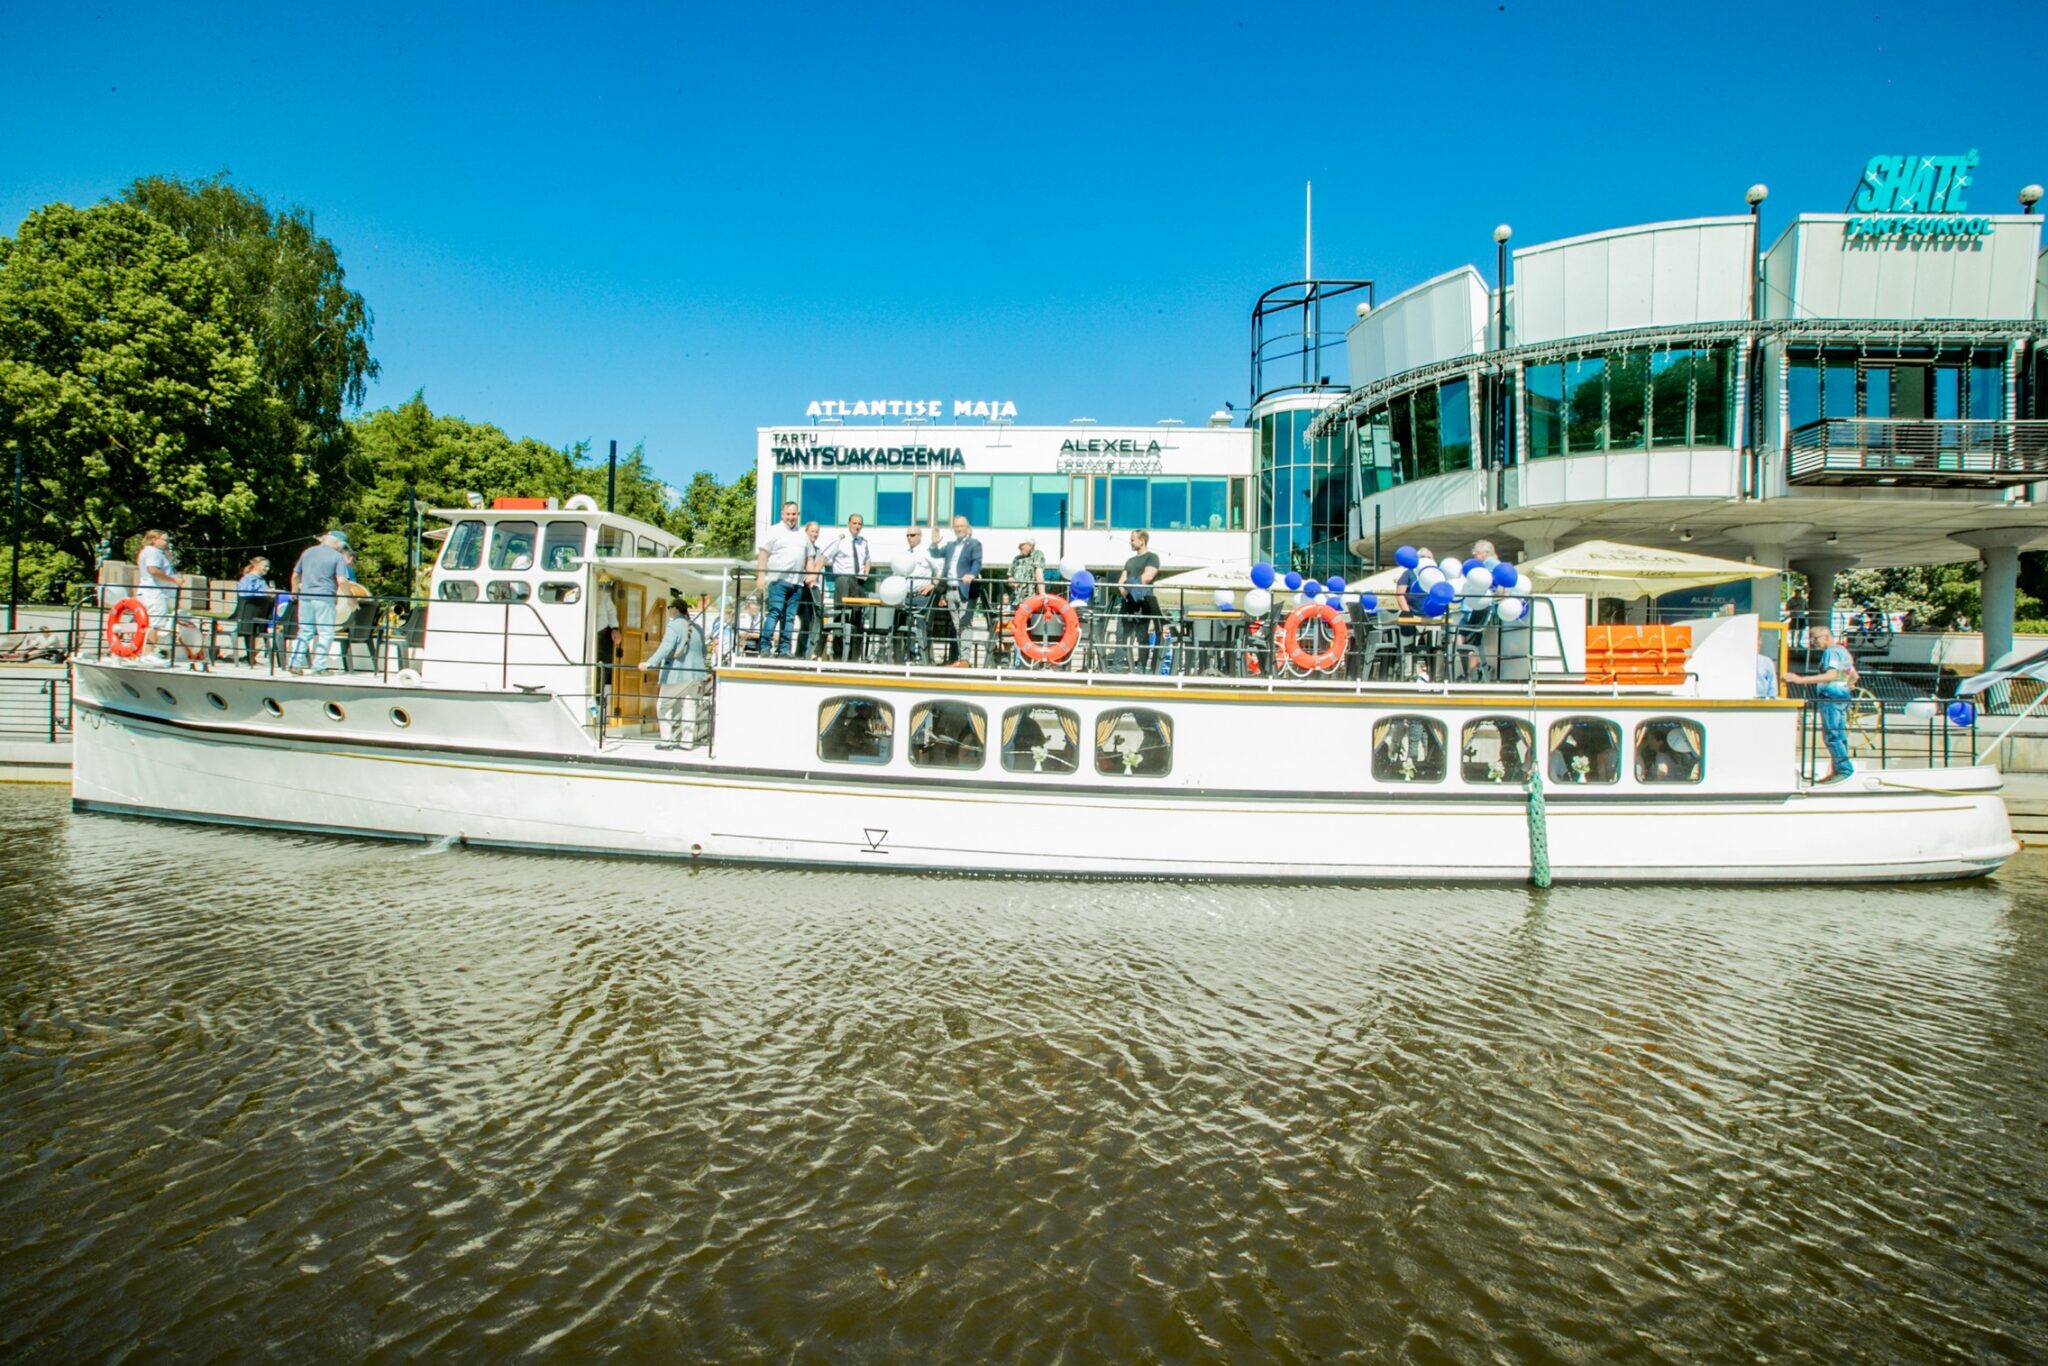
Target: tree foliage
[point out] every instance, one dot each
(128, 386)
(287, 290)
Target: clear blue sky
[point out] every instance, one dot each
(675, 224)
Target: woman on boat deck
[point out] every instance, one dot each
(684, 678)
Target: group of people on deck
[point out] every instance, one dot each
(322, 590)
(946, 586)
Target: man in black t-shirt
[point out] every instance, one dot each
(1140, 601)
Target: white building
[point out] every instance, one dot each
(1878, 402)
(1082, 486)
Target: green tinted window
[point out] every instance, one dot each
(1544, 386)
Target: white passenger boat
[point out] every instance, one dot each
(490, 727)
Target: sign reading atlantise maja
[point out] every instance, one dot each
(929, 408)
(1915, 197)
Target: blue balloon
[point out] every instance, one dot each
(1336, 600)
(1293, 581)
(1369, 601)
(1262, 575)
(1310, 588)
(1473, 564)
(1337, 583)
(1083, 587)
(1406, 557)
(1504, 576)
(1962, 713)
(1443, 593)
(1433, 606)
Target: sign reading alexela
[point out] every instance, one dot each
(910, 407)
(1916, 197)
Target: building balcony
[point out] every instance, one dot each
(1927, 452)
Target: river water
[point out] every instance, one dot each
(318, 1099)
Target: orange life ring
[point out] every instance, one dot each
(1046, 651)
(116, 618)
(1290, 637)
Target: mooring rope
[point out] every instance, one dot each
(1539, 831)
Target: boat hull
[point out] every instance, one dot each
(1925, 824)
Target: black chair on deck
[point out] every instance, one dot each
(252, 619)
(361, 625)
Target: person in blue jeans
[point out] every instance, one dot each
(781, 558)
(1834, 685)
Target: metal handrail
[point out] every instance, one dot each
(1973, 450)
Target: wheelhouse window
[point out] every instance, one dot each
(564, 546)
(613, 542)
(1132, 742)
(856, 730)
(512, 545)
(507, 590)
(457, 590)
(1408, 749)
(1497, 749)
(1585, 749)
(561, 593)
(948, 735)
(1041, 740)
(1669, 750)
(465, 549)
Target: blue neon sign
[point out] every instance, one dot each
(1916, 197)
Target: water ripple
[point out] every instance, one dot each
(305, 1097)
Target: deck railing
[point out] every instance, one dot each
(1928, 451)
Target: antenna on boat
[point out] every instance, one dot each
(611, 476)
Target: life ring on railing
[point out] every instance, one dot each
(1046, 651)
(1290, 637)
(117, 619)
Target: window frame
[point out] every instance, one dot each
(1115, 767)
(1439, 735)
(919, 713)
(888, 738)
(1696, 736)
(474, 526)
(1007, 734)
(1465, 738)
(1556, 739)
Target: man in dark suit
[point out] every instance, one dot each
(960, 572)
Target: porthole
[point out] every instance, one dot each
(132, 691)
(270, 705)
(166, 695)
(400, 718)
(218, 702)
(335, 713)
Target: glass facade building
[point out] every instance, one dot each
(1305, 488)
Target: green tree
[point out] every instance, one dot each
(126, 383)
(286, 288)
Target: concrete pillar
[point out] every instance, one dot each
(1538, 535)
(1999, 548)
(1820, 571)
(1767, 541)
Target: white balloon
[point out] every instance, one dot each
(904, 562)
(1224, 602)
(1479, 582)
(1070, 566)
(1428, 577)
(1258, 602)
(1511, 609)
(894, 589)
(1298, 600)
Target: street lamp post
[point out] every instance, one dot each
(2030, 195)
(1501, 412)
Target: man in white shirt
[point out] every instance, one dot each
(846, 560)
(780, 559)
(918, 602)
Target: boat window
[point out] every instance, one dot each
(1041, 740)
(613, 542)
(1669, 750)
(1131, 742)
(564, 546)
(648, 549)
(561, 592)
(1585, 749)
(948, 735)
(465, 548)
(457, 590)
(507, 590)
(512, 545)
(1497, 749)
(856, 730)
(1408, 749)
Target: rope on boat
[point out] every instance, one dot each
(1539, 832)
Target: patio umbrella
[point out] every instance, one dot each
(1234, 574)
(1609, 569)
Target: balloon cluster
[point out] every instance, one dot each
(1080, 583)
(1259, 601)
(1474, 583)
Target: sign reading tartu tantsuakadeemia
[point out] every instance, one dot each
(1915, 197)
